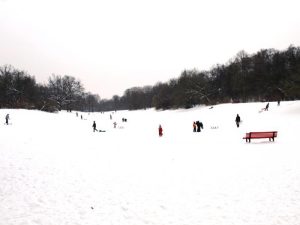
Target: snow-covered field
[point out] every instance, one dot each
(54, 170)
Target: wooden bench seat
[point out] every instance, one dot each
(264, 134)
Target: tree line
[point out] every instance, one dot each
(20, 90)
(268, 75)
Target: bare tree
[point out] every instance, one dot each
(64, 91)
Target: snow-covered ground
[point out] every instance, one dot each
(54, 170)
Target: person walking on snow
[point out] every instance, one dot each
(267, 107)
(94, 126)
(160, 131)
(237, 120)
(6, 119)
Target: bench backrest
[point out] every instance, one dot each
(264, 134)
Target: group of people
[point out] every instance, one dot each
(160, 129)
(114, 124)
(266, 108)
(197, 126)
(80, 115)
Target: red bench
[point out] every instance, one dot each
(265, 134)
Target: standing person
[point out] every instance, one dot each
(201, 125)
(278, 102)
(198, 126)
(94, 126)
(115, 124)
(160, 131)
(237, 120)
(267, 107)
(194, 126)
(6, 119)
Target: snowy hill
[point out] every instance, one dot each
(56, 170)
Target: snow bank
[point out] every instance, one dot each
(56, 170)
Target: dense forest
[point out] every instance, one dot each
(268, 75)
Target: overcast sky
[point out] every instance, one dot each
(112, 45)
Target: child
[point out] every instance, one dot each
(160, 131)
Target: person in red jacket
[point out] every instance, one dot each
(160, 131)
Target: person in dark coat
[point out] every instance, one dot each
(198, 123)
(160, 131)
(194, 126)
(237, 120)
(267, 107)
(94, 126)
(6, 119)
(201, 125)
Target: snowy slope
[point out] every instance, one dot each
(56, 170)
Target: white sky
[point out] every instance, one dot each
(116, 44)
